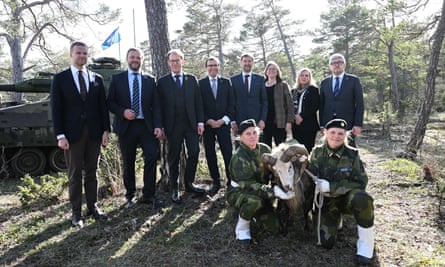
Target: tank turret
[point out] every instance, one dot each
(27, 142)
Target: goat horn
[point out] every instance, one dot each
(267, 158)
(292, 151)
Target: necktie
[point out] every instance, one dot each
(136, 98)
(336, 86)
(83, 86)
(214, 89)
(178, 81)
(246, 83)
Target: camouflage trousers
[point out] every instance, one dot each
(255, 207)
(356, 202)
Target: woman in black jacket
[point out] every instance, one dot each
(306, 99)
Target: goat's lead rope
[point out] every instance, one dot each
(317, 202)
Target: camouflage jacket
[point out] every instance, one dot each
(342, 168)
(248, 170)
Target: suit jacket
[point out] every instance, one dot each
(252, 105)
(69, 111)
(284, 109)
(193, 101)
(119, 99)
(310, 106)
(223, 105)
(347, 105)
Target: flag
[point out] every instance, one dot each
(114, 38)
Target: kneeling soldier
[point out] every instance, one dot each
(250, 192)
(342, 181)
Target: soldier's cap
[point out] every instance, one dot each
(336, 123)
(246, 124)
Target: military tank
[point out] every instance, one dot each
(27, 141)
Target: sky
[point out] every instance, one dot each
(309, 13)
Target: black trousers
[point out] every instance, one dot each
(136, 135)
(304, 136)
(82, 156)
(272, 131)
(210, 136)
(182, 132)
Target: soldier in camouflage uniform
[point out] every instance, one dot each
(250, 192)
(342, 181)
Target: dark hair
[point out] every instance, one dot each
(77, 43)
(247, 55)
(135, 50)
(175, 51)
(211, 58)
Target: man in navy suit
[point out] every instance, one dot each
(81, 124)
(134, 100)
(219, 108)
(250, 95)
(183, 119)
(341, 97)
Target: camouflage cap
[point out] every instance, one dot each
(336, 123)
(246, 124)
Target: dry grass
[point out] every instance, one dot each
(200, 232)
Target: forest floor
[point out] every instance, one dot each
(409, 224)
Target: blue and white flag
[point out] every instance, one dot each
(114, 38)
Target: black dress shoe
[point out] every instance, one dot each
(190, 188)
(77, 221)
(362, 260)
(98, 214)
(244, 242)
(176, 198)
(214, 189)
(130, 203)
(157, 203)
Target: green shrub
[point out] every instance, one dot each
(43, 190)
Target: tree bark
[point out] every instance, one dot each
(418, 135)
(157, 22)
(394, 85)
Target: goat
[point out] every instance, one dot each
(288, 162)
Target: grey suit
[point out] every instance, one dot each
(347, 105)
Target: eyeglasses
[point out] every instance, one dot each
(212, 65)
(337, 63)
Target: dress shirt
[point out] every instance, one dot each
(340, 81)
(130, 87)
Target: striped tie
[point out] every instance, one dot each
(136, 98)
(337, 86)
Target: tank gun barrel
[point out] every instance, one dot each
(35, 85)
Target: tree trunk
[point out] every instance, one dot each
(394, 85)
(157, 22)
(156, 12)
(17, 66)
(417, 136)
(286, 48)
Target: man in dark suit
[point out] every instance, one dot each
(219, 108)
(341, 96)
(81, 124)
(183, 119)
(134, 100)
(250, 95)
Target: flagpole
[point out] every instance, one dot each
(134, 30)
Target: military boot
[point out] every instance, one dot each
(242, 230)
(365, 245)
